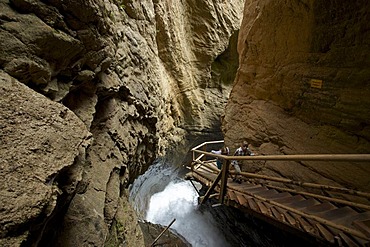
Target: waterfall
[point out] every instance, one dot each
(159, 196)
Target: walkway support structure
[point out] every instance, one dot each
(327, 215)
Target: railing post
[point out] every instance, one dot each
(205, 150)
(211, 188)
(192, 162)
(225, 174)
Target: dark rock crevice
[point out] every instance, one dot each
(225, 66)
(67, 184)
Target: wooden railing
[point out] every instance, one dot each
(200, 155)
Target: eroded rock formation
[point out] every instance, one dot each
(40, 141)
(303, 87)
(92, 92)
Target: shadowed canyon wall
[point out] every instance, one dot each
(92, 92)
(303, 87)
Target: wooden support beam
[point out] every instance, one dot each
(160, 235)
(191, 181)
(225, 174)
(209, 191)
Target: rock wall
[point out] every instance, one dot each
(93, 92)
(37, 147)
(303, 87)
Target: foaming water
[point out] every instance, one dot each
(159, 196)
(154, 180)
(179, 201)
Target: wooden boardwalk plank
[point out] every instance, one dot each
(303, 204)
(232, 195)
(287, 216)
(349, 241)
(279, 216)
(263, 208)
(323, 207)
(308, 227)
(363, 226)
(288, 200)
(313, 223)
(336, 214)
(242, 200)
(350, 221)
(256, 190)
(325, 233)
(295, 217)
(277, 196)
(266, 193)
(253, 205)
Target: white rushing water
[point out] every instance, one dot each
(176, 200)
(159, 196)
(179, 201)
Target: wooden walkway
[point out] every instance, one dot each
(328, 220)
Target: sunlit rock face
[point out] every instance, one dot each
(303, 87)
(137, 77)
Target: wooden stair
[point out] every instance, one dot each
(333, 223)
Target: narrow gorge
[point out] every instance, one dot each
(95, 92)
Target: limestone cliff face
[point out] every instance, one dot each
(303, 87)
(110, 86)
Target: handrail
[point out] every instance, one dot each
(222, 176)
(206, 143)
(292, 157)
